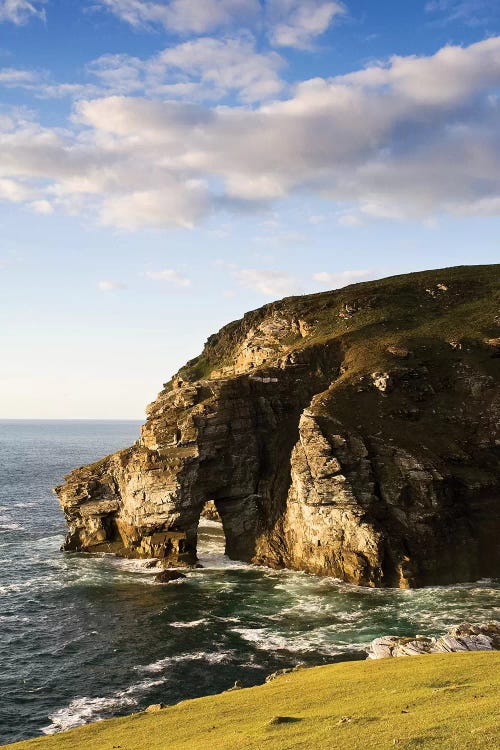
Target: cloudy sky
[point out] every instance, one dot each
(166, 165)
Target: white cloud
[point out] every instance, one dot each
(350, 220)
(184, 16)
(21, 11)
(228, 65)
(110, 286)
(289, 23)
(201, 69)
(266, 282)
(16, 191)
(41, 85)
(47, 89)
(181, 204)
(416, 137)
(119, 74)
(17, 77)
(296, 23)
(469, 12)
(43, 207)
(170, 276)
(342, 278)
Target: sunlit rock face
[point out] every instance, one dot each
(353, 433)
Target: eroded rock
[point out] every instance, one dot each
(465, 637)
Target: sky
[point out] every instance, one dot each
(167, 165)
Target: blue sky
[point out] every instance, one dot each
(167, 165)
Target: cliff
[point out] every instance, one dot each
(353, 433)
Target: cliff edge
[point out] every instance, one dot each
(353, 433)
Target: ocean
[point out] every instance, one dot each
(84, 638)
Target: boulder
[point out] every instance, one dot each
(166, 576)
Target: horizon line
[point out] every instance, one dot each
(72, 419)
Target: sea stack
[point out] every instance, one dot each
(353, 433)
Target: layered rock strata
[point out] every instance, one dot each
(353, 433)
(464, 637)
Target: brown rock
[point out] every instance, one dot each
(166, 576)
(210, 512)
(400, 352)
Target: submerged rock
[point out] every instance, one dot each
(322, 447)
(465, 637)
(166, 576)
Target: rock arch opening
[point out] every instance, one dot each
(210, 536)
(228, 526)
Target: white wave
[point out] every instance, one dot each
(11, 527)
(13, 618)
(307, 610)
(133, 565)
(207, 523)
(15, 588)
(320, 641)
(205, 656)
(211, 547)
(211, 561)
(49, 542)
(85, 710)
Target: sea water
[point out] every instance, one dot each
(84, 638)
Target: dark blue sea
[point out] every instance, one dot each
(84, 638)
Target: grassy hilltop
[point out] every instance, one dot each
(425, 307)
(440, 702)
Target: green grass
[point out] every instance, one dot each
(442, 702)
(390, 311)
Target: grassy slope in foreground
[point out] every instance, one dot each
(444, 702)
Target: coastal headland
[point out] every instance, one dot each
(352, 433)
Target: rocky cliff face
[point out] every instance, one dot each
(354, 433)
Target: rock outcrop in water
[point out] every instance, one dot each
(353, 433)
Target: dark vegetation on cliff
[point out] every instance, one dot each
(371, 317)
(354, 433)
